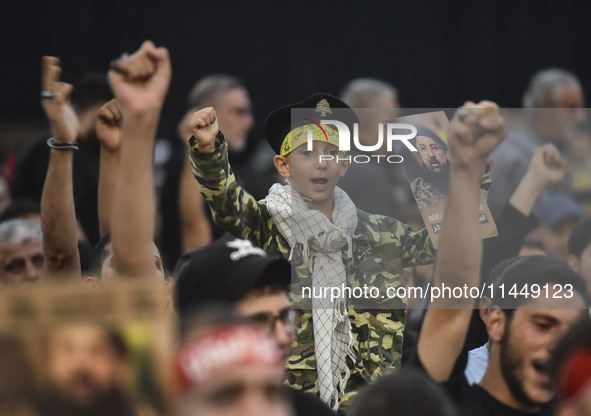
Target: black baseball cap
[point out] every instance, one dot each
(227, 270)
(315, 108)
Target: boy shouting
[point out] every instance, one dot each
(339, 345)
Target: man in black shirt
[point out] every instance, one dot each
(522, 326)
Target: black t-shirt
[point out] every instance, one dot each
(308, 404)
(473, 400)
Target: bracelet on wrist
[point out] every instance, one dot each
(62, 146)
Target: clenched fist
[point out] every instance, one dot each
(204, 126)
(476, 130)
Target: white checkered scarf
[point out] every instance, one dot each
(321, 242)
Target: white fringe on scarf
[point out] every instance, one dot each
(321, 243)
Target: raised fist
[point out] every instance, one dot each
(62, 119)
(476, 130)
(108, 125)
(140, 81)
(204, 126)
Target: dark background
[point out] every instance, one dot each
(436, 53)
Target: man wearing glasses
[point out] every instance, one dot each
(232, 270)
(257, 284)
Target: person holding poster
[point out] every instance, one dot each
(343, 342)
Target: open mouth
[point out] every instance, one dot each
(319, 184)
(544, 372)
(541, 367)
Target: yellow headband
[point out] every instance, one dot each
(299, 136)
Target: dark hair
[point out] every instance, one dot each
(497, 271)
(21, 207)
(580, 237)
(89, 90)
(267, 282)
(425, 132)
(98, 255)
(404, 392)
(534, 242)
(526, 271)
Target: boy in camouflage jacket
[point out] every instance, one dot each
(374, 253)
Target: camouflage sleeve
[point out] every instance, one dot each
(234, 209)
(417, 248)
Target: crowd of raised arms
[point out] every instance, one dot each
(236, 239)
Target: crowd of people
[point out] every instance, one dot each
(235, 241)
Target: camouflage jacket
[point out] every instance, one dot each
(382, 247)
